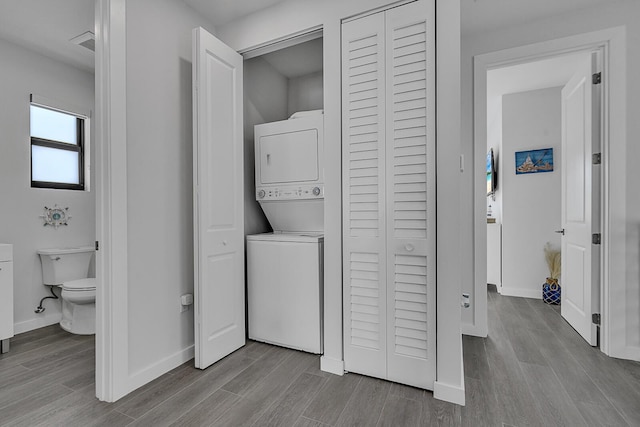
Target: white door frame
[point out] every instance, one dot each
(613, 282)
(112, 370)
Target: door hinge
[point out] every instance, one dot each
(596, 158)
(595, 318)
(97, 245)
(597, 78)
(596, 238)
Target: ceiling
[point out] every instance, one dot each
(220, 12)
(542, 74)
(483, 15)
(551, 72)
(46, 26)
(298, 60)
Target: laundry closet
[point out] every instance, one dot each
(388, 176)
(388, 184)
(284, 159)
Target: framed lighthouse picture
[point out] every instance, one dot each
(534, 161)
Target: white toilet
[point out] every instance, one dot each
(69, 268)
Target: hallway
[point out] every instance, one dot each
(534, 369)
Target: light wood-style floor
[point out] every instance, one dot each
(533, 370)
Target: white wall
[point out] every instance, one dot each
(293, 17)
(625, 225)
(305, 93)
(494, 140)
(265, 100)
(159, 184)
(530, 202)
(22, 73)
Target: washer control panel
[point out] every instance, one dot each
(297, 192)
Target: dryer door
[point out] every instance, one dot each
(289, 157)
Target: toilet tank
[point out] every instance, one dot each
(61, 265)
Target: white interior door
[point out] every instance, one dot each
(218, 199)
(580, 201)
(363, 145)
(389, 194)
(410, 194)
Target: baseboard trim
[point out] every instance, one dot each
(522, 292)
(628, 353)
(449, 393)
(159, 368)
(333, 366)
(40, 322)
(472, 330)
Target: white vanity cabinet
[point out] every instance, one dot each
(6, 290)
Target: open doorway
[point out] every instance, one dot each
(610, 41)
(288, 186)
(48, 184)
(529, 127)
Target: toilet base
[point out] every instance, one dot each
(79, 319)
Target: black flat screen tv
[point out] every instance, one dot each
(492, 174)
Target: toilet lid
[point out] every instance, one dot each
(80, 284)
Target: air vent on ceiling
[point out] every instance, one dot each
(86, 39)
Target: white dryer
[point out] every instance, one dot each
(284, 268)
(289, 158)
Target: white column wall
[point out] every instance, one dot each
(159, 185)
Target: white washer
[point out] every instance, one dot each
(284, 289)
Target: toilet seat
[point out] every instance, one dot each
(88, 284)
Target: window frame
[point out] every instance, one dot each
(78, 147)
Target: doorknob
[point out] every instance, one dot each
(560, 231)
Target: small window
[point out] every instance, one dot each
(57, 149)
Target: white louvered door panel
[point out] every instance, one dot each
(410, 194)
(364, 266)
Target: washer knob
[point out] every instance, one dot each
(261, 194)
(316, 191)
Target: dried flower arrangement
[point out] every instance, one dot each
(552, 256)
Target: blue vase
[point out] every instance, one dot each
(551, 291)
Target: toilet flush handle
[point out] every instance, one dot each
(56, 258)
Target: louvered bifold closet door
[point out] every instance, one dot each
(410, 194)
(364, 263)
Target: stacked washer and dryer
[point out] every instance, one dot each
(285, 268)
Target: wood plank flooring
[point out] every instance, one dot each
(533, 370)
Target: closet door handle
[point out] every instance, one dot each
(560, 231)
(409, 247)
